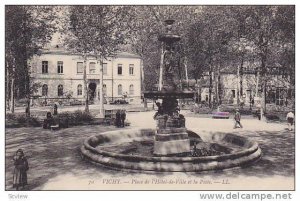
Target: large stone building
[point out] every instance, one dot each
(60, 76)
(278, 88)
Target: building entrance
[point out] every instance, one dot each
(92, 91)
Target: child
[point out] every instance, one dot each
(20, 171)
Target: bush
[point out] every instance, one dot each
(19, 120)
(76, 118)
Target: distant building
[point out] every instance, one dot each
(60, 77)
(278, 88)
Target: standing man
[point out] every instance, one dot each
(123, 117)
(237, 118)
(290, 119)
(55, 109)
(118, 118)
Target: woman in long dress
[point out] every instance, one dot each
(20, 171)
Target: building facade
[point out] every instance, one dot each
(227, 84)
(60, 76)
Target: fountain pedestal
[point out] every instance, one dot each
(171, 135)
(170, 141)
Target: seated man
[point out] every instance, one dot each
(49, 121)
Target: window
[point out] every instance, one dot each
(79, 90)
(60, 67)
(105, 69)
(119, 69)
(60, 90)
(120, 91)
(79, 67)
(44, 66)
(45, 90)
(131, 89)
(104, 89)
(92, 67)
(131, 67)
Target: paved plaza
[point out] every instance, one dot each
(55, 162)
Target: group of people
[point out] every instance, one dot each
(120, 118)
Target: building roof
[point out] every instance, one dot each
(62, 51)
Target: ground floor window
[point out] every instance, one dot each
(45, 90)
(120, 90)
(79, 90)
(131, 90)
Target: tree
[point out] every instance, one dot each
(27, 30)
(96, 30)
(208, 41)
(265, 28)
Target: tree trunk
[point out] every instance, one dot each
(186, 72)
(264, 83)
(7, 90)
(263, 102)
(160, 81)
(219, 89)
(12, 96)
(238, 87)
(241, 77)
(143, 87)
(12, 87)
(210, 85)
(101, 114)
(86, 108)
(216, 88)
(257, 83)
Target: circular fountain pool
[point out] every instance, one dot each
(132, 149)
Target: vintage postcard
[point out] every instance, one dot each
(149, 97)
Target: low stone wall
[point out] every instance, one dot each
(248, 153)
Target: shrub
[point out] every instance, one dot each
(78, 117)
(10, 116)
(17, 120)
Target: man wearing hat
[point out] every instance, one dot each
(237, 118)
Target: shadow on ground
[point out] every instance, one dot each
(53, 153)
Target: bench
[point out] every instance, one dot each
(110, 117)
(220, 115)
(54, 127)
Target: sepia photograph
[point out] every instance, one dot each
(149, 97)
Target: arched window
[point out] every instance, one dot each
(120, 90)
(131, 90)
(60, 90)
(104, 89)
(79, 90)
(45, 90)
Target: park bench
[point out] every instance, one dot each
(110, 117)
(54, 127)
(220, 115)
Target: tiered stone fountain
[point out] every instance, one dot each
(167, 148)
(171, 135)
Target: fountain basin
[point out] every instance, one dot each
(101, 149)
